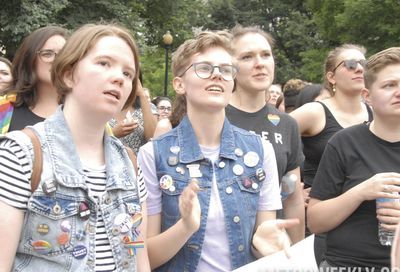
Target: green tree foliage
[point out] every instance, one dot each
(304, 31)
(180, 17)
(18, 18)
(29, 15)
(288, 21)
(153, 69)
(371, 23)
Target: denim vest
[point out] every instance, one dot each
(60, 222)
(239, 177)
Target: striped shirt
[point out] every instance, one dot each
(15, 174)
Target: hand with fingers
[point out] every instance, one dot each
(271, 236)
(388, 214)
(381, 185)
(189, 206)
(124, 128)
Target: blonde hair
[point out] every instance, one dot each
(331, 61)
(181, 58)
(239, 31)
(79, 44)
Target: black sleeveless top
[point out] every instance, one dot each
(22, 117)
(314, 146)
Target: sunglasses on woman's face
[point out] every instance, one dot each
(351, 64)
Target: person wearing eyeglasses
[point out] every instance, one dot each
(164, 107)
(210, 184)
(355, 194)
(35, 95)
(319, 121)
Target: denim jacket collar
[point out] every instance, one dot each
(67, 165)
(190, 148)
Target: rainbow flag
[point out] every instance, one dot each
(6, 110)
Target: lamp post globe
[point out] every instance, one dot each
(167, 40)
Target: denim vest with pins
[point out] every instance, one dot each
(239, 175)
(60, 222)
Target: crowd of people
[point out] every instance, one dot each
(233, 169)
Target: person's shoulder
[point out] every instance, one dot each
(350, 134)
(311, 108)
(163, 126)
(164, 130)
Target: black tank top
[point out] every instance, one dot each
(314, 146)
(22, 117)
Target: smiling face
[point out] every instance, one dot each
(164, 109)
(102, 80)
(384, 93)
(55, 44)
(253, 57)
(206, 93)
(350, 81)
(5, 75)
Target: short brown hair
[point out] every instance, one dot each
(331, 59)
(239, 31)
(294, 84)
(203, 41)
(378, 62)
(79, 44)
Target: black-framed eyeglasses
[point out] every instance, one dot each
(204, 70)
(163, 108)
(351, 64)
(47, 55)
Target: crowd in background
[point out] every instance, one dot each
(274, 162)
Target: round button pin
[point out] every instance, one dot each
(238, 152)
(221, 164)
(251, 159)
(79, 252)
(115, 231)
(172, 160)
(63, 239)
(124, 222)
(254, 185)
(175, 149)
(66, 226)
(166, 181)
(238, 169)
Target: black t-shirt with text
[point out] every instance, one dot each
(280, 129)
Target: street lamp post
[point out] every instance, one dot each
(167, 40)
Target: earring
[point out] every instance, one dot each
(334, 88)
